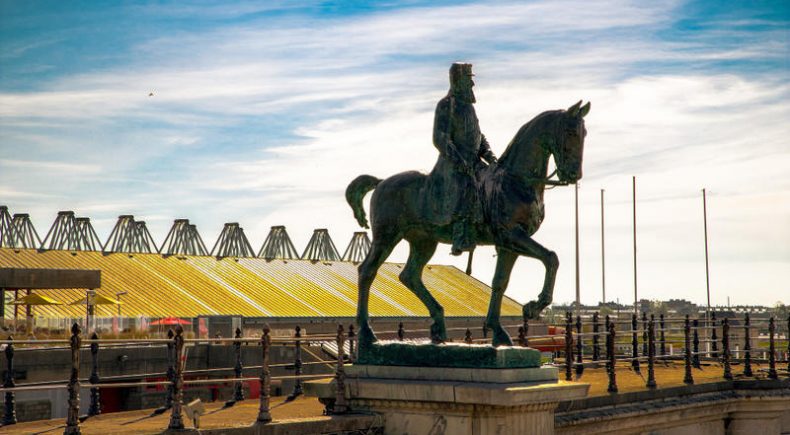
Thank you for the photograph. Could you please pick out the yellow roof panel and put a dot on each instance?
(190, 286)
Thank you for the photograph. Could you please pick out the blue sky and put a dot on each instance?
(263, 111)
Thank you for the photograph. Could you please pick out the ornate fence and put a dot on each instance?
(631, 342)
(175, 376)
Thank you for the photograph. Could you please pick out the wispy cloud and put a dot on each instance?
(264, 118)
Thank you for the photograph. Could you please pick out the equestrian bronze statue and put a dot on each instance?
(508, 194)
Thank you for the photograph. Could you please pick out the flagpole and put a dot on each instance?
(633, 198)
(578, 292)
(707, 268)
(603, 255)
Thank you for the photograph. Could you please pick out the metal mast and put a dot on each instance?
(87, 239)
(633, 198)
(183, 239)
(320, 247)
(24, 234)
(143, 241)
(232, 242)
(603, 255)
(130, 236)
(6, 228)
(578, 286)
(61, 233)
(707, 267)
(278, 245)
(358, 248)
(71, 234)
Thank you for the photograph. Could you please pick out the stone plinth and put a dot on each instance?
(395, 353)
(431, 400)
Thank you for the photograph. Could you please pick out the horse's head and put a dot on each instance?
(568, 149)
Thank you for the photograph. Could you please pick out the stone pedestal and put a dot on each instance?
(433, 400)
(757, 416)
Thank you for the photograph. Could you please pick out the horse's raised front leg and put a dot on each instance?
(420, 252)
(379, 251)
(519, 241)
(504, 265)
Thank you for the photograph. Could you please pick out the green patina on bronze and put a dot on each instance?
(470, 198)
(448, 355)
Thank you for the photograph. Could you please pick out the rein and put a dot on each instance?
(546, 181)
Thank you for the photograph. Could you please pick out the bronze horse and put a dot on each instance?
(512, 199)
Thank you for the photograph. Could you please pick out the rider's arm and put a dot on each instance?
(485, 151)
(441, 121)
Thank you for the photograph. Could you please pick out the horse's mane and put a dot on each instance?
(527, 132)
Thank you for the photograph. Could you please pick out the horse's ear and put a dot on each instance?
(574, 110)
(584, 110)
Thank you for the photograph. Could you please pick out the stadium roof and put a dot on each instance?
(189, 286)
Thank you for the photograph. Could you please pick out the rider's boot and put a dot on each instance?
(462, 238)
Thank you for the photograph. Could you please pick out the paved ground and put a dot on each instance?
(670, 375)
(138, 422)
(243, 414)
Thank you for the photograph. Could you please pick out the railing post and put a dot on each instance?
(73, 413)
(526, 333)
(351, 341)
(695, 355)
(521, 336)
(687, 378)
(95, 406)
(238, 387)
(9, 411)
(171, 370)
(341, 405)
(725, 344)
(297, 391)
(176, 419)
(579, 348)
(596, 350)
(634, 344)
(772, 349)
(485, 331)
(468, 336)
(611, 364)
(264, 415)
(401, 332)
(568, 346)
(651, 353)
(663, 339)
(644, 333)
(713, 337)
(747, 347)
(607, 322)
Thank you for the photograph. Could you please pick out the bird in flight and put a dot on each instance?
(151, 94)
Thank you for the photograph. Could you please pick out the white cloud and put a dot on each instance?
(334, 98)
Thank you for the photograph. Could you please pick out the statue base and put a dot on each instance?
(458, 355)
(455, 400)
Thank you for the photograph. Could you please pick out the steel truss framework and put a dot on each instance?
(130, 236)
(183, 239)
(358, 247)
(320, 247)
(278, 245)
(232, 242)
(72, 234)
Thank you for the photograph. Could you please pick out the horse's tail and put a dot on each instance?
(357, 190)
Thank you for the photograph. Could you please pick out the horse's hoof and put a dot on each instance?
(531, 311)
(366, 337)
(501, 338)
(438, 333)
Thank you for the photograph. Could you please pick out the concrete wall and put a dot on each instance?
(724, 408)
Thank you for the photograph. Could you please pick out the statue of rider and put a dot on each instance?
(452, 184)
